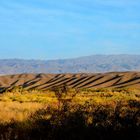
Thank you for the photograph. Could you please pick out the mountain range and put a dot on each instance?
(87, 64)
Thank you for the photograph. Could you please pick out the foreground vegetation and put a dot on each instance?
(68, 114)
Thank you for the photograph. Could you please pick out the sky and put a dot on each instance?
(57, 29)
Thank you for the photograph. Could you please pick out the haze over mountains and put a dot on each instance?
(88, 64)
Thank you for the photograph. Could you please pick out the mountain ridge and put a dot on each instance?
(85, 64)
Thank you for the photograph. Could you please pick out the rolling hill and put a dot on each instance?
(46, 81)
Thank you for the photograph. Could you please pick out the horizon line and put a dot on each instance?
(33, 59)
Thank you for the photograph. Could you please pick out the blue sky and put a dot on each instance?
(54, 29)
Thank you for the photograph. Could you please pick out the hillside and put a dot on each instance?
(46, 81)
(95, 63)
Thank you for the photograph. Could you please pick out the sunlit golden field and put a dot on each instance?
(19, 106)
(64, 113)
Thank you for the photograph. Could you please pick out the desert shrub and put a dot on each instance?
(107, 124)
(113, 117)
(134, 103)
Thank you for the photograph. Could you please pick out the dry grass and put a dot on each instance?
(58, 114)
(19, 106)
(15, 111)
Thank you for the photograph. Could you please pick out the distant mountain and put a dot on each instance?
(88, 64)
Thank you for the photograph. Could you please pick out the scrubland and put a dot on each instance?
(67, 114)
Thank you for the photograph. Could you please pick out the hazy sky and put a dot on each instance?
(52, 29)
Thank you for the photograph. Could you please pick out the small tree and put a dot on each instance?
(64, 96)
